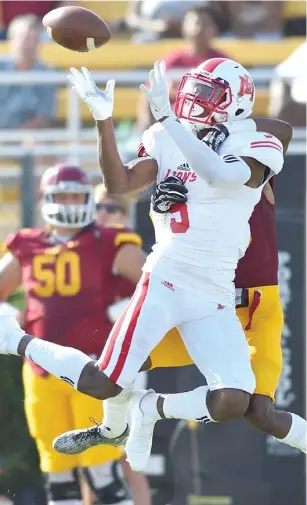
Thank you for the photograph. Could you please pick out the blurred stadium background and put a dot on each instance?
(231, 466)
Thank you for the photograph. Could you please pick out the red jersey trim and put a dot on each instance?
(266, 143)
(142, 151)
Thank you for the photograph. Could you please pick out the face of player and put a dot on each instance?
(109, 213)
(199, 29)
(68, 199)
(24, 46)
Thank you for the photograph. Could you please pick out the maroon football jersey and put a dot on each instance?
(259, 266)
(68, 287)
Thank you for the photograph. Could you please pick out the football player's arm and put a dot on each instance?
(10, 275)
(129, 261)
(121, 179)
(230, 171)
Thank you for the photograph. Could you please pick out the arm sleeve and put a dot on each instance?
(216, 171)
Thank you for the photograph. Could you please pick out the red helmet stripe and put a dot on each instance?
(210, 65)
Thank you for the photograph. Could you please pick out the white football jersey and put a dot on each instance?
(199, 243)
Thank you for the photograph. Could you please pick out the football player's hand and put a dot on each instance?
(216, 135)
(168, 192)
(158, 92)
(99, 102)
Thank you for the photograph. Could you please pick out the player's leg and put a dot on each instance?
(137, 483)
(48, 413)
(68, 364)
(170, 352)
(100, 464)
(133, 337)
(218, 347)
(151, 312)
(264, 339)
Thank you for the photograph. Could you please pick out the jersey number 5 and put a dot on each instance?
(57, 274)
(179, 223)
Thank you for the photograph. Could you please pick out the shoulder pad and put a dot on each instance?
(149, 140)
(260, 146)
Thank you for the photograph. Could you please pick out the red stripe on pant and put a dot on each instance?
(129, 333)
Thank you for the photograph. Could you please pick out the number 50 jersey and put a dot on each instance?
(199, 243)
(68, 287)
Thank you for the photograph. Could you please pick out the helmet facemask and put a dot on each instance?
(200, 99)
(68, 215)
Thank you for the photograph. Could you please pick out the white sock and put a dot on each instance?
(115, 411)
(65, 363)
(191, 405)
(297, 436)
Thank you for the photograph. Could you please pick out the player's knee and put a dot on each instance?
(107, 482)
(62, 486)
(94, 382)
(226, 404)
(260, 413)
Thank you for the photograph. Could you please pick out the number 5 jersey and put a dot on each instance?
(198, 244)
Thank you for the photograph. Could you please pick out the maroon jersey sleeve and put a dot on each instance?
(13, 244)
(119, 236)
(19, 243)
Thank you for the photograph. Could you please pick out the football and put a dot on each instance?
(76, 28)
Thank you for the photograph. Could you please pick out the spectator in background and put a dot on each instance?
(29, 106)
(200, 26)
(152, 20)
(288, 91)
(294, 14)
(110, 211)
(9, 10)
(252, 19)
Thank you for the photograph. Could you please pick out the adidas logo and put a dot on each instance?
(204, 419)
(185, 167)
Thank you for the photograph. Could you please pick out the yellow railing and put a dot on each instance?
(123, 55)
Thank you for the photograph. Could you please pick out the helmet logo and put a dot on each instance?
(247, 87)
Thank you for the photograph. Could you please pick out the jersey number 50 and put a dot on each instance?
(57, 274)
(180, 223)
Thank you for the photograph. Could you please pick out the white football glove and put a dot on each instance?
(158, 93)
(99, 102)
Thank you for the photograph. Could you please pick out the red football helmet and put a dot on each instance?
(66, 178)
(218, 90)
